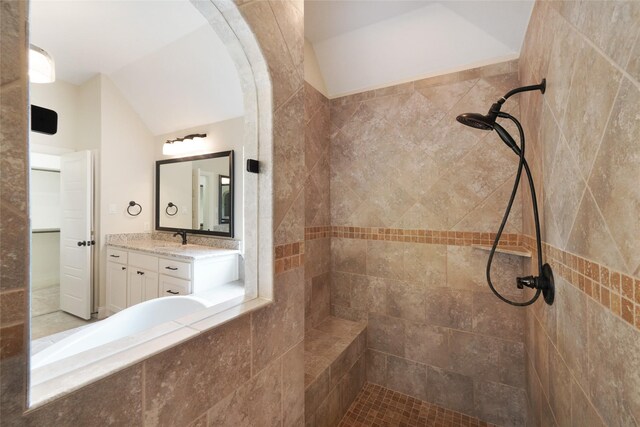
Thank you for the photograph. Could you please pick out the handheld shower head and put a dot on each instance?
(476, 120)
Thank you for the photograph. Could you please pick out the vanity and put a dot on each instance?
(141, 270)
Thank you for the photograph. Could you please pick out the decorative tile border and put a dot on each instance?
(312, 233)
(289, 256)
(457, 238)
(614, 290)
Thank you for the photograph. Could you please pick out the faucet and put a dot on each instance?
(183, 234)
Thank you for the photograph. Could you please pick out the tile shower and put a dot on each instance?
(370, 235)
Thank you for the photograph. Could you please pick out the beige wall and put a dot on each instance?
(317, 207)
(400, 164)
(247, 371)
(584, 351)
(312, 73)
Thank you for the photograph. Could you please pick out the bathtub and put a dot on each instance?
(125, 323)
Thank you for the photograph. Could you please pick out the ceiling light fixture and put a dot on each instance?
(42, 68)
(187, 144)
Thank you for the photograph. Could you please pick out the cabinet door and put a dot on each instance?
(116, 287)
(150, 285)
(143, 285)
(134, 288)
(173, 286)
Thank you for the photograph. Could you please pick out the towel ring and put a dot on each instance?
(132, 204)
(169, 206)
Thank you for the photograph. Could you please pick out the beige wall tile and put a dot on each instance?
(474, 355)
(114, 401)
(590, 236)
(559, 388)
(376, 367)
(259, 401)
(449, 307)
(426, 264)
(614, 373)
(406, 300)
(427, 344)
(500, 404)
(186, 372)
(616, 173)
(384, 259)
(407, 377)
(386, 334)
(572, 330)
(348, 255)
(633, 67)
(466, 270)
(293, 385)
(582, 412)
(450, 390)
(493, 317)
(12, 306)
(285, 75)
(280, 326)
(289, 169)
(589, 105)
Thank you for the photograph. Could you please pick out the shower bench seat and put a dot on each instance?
(334, 371)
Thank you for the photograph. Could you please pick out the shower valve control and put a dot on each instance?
(528, 281)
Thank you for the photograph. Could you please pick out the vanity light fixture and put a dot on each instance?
(187, 144)
(42, 68)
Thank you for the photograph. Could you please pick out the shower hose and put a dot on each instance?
(522, 164)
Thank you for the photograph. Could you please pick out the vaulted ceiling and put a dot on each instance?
(366, 44)
(162, 55)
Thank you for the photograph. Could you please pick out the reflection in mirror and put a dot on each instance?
(196, 194)
(105, 282)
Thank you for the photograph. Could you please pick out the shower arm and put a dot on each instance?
(541, 87)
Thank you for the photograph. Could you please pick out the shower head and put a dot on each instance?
(477, 121)
(488, 121)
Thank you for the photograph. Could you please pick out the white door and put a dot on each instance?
(76, 201)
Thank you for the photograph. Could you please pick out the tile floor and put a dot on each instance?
(45, 300)
(46, 316)
(378, 406)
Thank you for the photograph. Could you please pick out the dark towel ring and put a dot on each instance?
(132, 204)
(171, 205)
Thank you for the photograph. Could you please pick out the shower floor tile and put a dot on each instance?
(378, 406)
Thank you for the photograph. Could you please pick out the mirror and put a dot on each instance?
(196, 194)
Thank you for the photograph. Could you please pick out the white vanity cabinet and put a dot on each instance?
(134, 277)
(116, 285)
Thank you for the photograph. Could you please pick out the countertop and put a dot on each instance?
(172, 249)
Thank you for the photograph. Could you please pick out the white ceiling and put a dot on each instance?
(362, 45)
(162, 55)
(324, 19)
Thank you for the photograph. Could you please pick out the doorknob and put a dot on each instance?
(82, 243)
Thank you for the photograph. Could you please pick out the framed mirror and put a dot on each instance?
(196, 194)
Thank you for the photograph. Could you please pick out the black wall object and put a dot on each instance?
(253, 166)
(44, 120)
